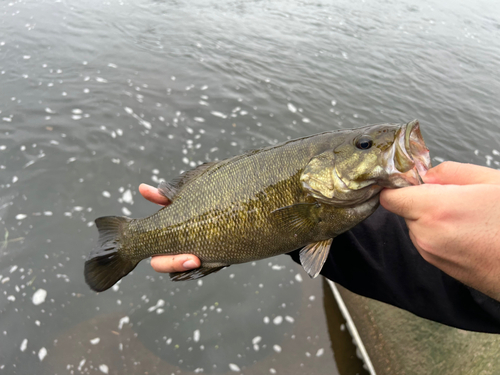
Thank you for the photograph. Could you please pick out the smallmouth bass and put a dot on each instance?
(298, 194)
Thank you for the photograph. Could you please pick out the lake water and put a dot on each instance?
(99, 96)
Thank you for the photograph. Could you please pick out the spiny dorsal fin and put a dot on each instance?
(298, 218)
(171, 189)
(313, 256)
(167, 190)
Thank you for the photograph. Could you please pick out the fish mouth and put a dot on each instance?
(410, 158)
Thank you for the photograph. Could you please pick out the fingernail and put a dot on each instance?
(189, 264)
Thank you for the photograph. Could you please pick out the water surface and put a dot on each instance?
(99, 96)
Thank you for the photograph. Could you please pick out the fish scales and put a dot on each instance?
(217, 208)
(299, 194)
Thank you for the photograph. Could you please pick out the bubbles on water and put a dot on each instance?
(21, 216)
(292, 108)
(95, 341)
(103, 368)
(278, 320)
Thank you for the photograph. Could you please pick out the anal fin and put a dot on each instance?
(313, 256)
(194, 274)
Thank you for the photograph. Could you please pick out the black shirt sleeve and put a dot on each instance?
(377, 259)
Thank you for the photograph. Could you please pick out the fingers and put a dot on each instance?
(151, 194)
(410, 202)
(452, 173)
(174, 263)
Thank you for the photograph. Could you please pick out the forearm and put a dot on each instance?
(377, 259)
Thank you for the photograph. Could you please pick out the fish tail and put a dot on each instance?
(107, 264)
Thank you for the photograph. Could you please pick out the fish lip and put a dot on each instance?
(408, 158)
(410, 146)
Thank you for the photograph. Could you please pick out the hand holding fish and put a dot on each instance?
(167, 263)
(454, 222)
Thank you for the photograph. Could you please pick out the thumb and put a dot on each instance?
(452, 173)
(409, 202)
(398, 201)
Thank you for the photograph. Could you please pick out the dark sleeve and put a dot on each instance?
(377, 259)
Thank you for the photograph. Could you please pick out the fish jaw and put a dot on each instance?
(408, 159)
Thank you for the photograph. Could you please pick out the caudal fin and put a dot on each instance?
(108, 263)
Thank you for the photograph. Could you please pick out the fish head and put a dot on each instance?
(368, 159)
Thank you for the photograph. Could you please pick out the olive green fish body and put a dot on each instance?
(231, 203)
(299, 194)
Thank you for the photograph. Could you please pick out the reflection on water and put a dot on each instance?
(99, 96)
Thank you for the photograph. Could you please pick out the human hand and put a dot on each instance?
(167, 263)
(454, 222)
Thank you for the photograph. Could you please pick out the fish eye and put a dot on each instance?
(364, 143)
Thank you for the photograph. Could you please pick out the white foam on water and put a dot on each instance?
(127, 197)
(277, 348)
(126, 211)
(320, 352)
(278, 320)
(21, 216)
(256, 340)
(124, 320)
(42, 353)
(234, 367)
(39, 296)
(101, 80)
(289, 319)
(196, 335)
(104, 368)
(80, 365)
(106, 194)
(218, 114)
(298, 277)
(24, 345)
(291, 108)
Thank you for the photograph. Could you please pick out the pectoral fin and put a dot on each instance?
(299, 218)
(313, 256)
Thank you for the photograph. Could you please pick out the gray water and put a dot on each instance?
(97, 97)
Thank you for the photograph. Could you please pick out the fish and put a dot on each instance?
(299, 194)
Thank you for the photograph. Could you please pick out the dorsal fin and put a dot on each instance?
(171, 189)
